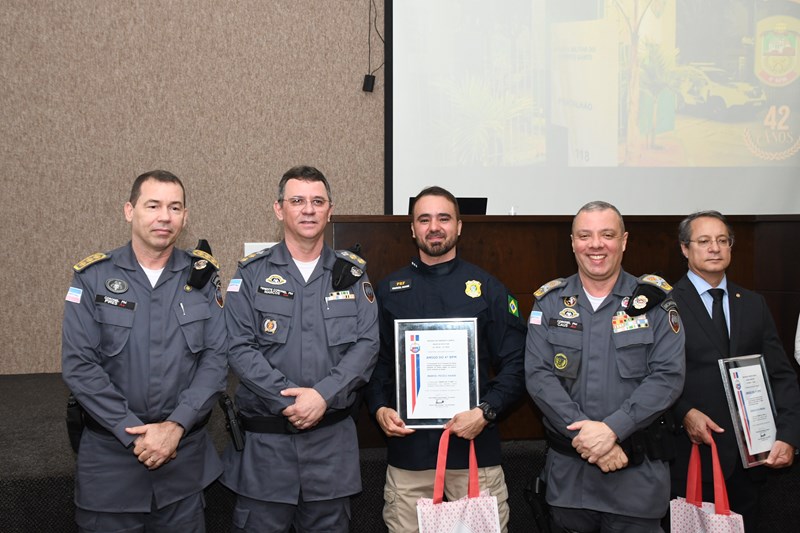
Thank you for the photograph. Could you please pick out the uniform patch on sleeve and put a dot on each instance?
(218, 291)
(234, 285)
(74, 295)
(536, 318)
(674, 320)
(369, 293)
(513, 306)
(669, 305)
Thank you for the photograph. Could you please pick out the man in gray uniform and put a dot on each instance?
(144, 354)
(303, 339)
(603, 362)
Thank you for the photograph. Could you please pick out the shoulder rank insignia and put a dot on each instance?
(204, 256)
(92, 259)
(547, 287)
(255, 255)
(650, 291)
(658, 281)
(203, 266)
(351, 257)
(347, 269)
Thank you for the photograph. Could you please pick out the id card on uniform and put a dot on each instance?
(437, 369)
(751, 405)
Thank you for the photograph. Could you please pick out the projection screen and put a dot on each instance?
(658, 106)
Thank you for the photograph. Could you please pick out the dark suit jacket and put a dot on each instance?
(752, 331)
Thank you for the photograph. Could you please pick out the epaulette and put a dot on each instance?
(651, 290)
(547, 287)
(90, 260)
(255, 255)
(200, 254)
(347, 269)
(204, 266)
(658, 281)
(347, 255)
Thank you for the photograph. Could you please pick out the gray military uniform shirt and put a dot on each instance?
(134, 354)
(287, 332)
(605, 366)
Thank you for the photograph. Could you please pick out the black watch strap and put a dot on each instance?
(489, 414)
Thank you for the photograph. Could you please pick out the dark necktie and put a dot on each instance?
(718, 317)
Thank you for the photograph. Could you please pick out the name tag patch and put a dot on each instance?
(116, 302)
(400, 285)
(566, 324)
(272, 291)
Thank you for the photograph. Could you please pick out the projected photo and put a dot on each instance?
(666, 83)
(524, 101)
(624, 82)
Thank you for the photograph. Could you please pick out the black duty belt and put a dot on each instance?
(654, 442)
(94, 425)
(280, 424)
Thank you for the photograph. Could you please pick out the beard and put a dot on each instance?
(436, 249)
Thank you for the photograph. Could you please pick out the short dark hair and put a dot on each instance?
(303, 173)
(158, 175)
(437, 191)
(598, 205)
(685, 227)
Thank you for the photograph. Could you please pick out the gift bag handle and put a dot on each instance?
(473, 490)
(694, 482)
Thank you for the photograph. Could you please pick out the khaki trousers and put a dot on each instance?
(404, 487)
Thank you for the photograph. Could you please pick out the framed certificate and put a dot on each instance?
(437, 369)
(752, 407)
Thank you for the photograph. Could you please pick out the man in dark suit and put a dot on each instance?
(743, 327)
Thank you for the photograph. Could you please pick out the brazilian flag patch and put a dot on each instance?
(513, 306)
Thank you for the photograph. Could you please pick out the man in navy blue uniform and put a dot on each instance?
(144, 354)
(439, 284)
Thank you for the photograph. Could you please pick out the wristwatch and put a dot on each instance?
(489, 414)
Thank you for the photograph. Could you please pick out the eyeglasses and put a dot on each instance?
(722, 242)
(298, 202)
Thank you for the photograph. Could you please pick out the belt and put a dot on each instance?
(653, 442)
(280, 425)
(563, 445)
(94, 425)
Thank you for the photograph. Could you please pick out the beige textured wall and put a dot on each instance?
(227, 95)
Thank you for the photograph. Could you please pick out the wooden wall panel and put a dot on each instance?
(524, 252)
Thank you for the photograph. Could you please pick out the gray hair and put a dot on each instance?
(599, 205)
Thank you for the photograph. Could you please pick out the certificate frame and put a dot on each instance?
(436, 368)
(751, 405)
